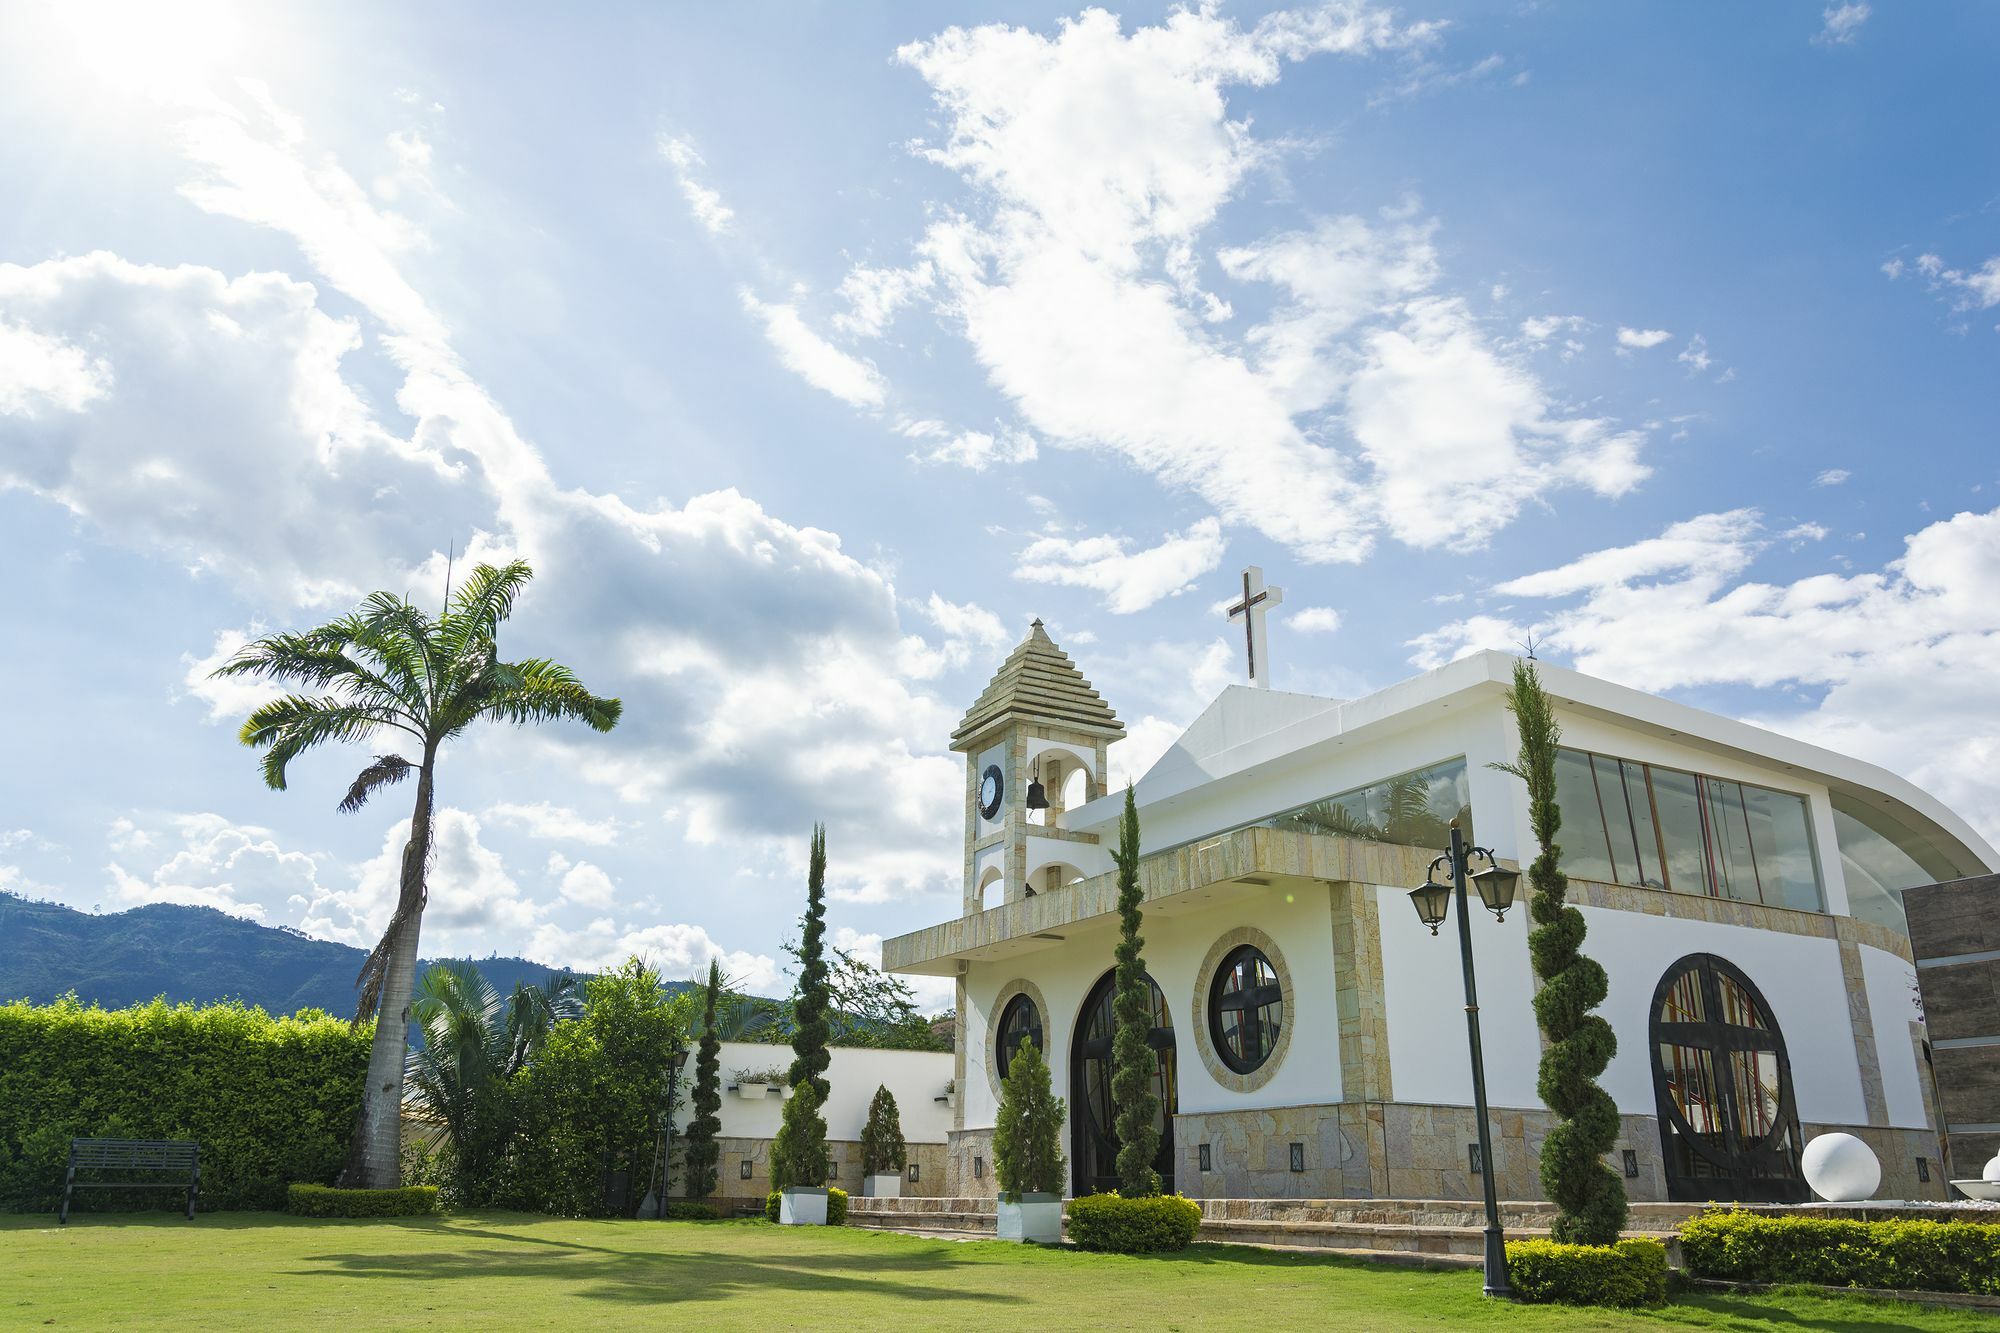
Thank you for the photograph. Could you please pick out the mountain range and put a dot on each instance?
(187, 953)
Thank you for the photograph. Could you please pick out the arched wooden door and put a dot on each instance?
(1093, 1127)
(1729, 1125)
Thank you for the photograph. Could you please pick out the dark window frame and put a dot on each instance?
(1251, 1002)
(1005, 1044)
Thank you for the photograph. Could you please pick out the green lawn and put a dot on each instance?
(271, 1272)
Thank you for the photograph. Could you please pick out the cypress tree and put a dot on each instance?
(882, 1148)
(1576, 1178)
(1133, 1063)
(810, 1031)
(1027, 1132)
(702, 1149)
(798, 1153)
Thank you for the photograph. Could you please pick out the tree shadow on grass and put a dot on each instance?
(1858, 1314)
(678, 1276)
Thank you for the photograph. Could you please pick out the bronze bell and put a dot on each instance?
(1038, 796)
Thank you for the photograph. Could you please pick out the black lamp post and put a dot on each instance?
(1431, 898)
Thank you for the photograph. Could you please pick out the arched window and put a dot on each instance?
(1246, 1009)
(1093, 1130)
(1019, 1020)
(1729, 1127)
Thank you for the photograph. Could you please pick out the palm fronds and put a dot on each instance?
(385, 771)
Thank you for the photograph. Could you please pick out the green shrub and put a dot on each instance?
(1631, 1272)
(692, 1212)
(321, 1201)
(1835, 1252)
(1027, 1131)
(270, 1100)
(1133, 1226)
(882, 1147)
(836, 1205)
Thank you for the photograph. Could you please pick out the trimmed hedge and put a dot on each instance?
(323, 1201)
(1832, 1252)
(692, 1212)
(1133, 1226)
(836, 1204)
(1631, 1272)
(270, 1100)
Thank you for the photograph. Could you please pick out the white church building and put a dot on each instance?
(1742, 890)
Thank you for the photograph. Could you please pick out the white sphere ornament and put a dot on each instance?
(1840, 1168)
(1992, 1171)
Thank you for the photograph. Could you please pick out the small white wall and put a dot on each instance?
(1799, 976)
(1423, 985)
(1891, 984)
(914, 1078)
(1298, 920)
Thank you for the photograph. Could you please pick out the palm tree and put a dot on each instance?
(474, 1041)
(389, 667)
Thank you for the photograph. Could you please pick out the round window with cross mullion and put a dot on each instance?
(1019, 1021)
(1246, 1009)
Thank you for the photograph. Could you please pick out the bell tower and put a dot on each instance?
(1034, 744)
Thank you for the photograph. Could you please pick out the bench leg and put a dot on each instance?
(194, 1188)
(69, 1181)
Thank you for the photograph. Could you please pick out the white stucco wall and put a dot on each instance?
(1892, 988)
(1424, 1001)
(1299, 922)
(1799, 976)
(914, 1078)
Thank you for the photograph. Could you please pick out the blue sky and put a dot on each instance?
(810, 351)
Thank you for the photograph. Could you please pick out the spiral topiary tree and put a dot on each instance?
(1580, 1043)
(882, 1148)
(1027, 1131)
(702, 1149)
(812, 1031)
(1133, 1063)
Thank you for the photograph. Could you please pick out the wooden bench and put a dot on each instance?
(128, 1155)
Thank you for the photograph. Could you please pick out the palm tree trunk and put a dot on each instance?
(375, 1155)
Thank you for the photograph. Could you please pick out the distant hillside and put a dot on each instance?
(186, 953)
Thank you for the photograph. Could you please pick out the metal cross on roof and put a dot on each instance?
(1257, 599)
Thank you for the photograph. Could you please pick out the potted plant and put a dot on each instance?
(1027, 1151)
(950, 1094)
(798, 1161)
(883, 1152)
(753, 1084)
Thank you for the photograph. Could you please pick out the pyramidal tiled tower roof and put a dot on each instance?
(1038, 683)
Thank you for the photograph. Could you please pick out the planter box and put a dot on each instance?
(949, 1099)
(1032, 1217)
(888, 1185)
(752, 1092)
(802, 1206)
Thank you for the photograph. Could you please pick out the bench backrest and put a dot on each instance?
(135, 1154)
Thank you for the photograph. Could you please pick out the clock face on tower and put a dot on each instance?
(991, 788)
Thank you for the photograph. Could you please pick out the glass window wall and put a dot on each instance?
(1413, 809)
(1661, 828)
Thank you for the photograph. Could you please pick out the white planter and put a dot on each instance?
(802, 1206)
(949, 1099)
(752, 1092)
(888, 1185)
(1032, 1217)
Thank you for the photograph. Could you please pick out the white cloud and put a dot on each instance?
(1541, 328)
(1695, 355)
(540, 819)
(1833, 476)
(1841, 24)
(705, 203)
(1096, 162)
(587, 885)
(40, 372)
(233, 698)
(1892, 665)
(1314, 620)
(967, 628)
(1129, 580)
(234, 868)
(1641, 339)
(815, 360)
(978, 450)
(680, 952)
(930, 994)
(874, 295)
(1963, 289)
(473, 900)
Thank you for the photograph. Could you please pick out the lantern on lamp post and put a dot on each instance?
(1432, 900)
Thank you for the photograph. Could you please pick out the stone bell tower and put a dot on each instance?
(1034, 744)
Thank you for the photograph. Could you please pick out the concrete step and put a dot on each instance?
(1443, 1229)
